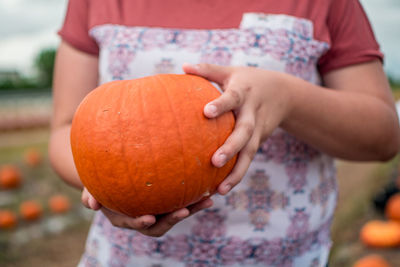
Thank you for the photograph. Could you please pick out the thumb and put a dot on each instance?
(211, 72)
(91, 202)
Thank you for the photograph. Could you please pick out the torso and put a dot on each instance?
(280, 214)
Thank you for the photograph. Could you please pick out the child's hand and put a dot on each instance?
(147, 224)
(260, 102)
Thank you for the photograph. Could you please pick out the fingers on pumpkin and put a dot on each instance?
(204, 204)
(243, 132)
(89, 201)
(85, 198)
(231, 99)
(213, 73)
(93, 203)
(123, 221)
(165, 223)
(243, 162)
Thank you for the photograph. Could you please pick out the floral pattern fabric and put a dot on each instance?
(281, 212)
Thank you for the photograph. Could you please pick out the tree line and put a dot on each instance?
(43, 78)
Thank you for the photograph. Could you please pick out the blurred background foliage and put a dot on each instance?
(42, 80)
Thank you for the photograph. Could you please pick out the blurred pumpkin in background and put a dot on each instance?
(59, 204)
(10, 177)
(33, 157)
(30, 210)
(372, 260)
(381, 234)
(8, 219)
(392, 210)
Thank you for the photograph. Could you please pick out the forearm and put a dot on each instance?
(342, 123)
(61, 156)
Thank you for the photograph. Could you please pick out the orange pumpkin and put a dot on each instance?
(59, 204)
(377, 233)
(10, 177)
(8, 219)
(392, 209)
(33, 157)
(144, 146)
(30, 210)
(372, 260)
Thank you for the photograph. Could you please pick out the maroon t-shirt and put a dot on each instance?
(342, 24)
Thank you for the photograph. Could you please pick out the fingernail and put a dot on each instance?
(211, 109)
(185, 214)
(221, 159)
(226, 188)
(181, 215)
(196, 66)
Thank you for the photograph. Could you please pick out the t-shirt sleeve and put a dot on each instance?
(351, 35)
(75, 29)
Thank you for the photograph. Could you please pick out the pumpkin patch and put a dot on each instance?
(10, 177)
(372, 260)
(59, 204)
(144, 146)
(32, 157)
(30, 210)
(8, 219)
(381, 234)
(392, 209)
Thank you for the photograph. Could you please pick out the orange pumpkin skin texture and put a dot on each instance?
(8, 219)
(392, 209)
(372, 260)
(381, 234)
(144, 146)
(30, 210)
(59, 204)
(10, 177)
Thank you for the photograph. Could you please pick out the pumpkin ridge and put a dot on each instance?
(122, 141)
(151, 148)
(202, 170)
(180, 136)
(110, 199)
(96, 169)
(217, 170)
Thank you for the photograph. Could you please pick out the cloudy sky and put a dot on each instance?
(26, 26)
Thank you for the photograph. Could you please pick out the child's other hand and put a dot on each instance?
(149, 225)
(260, 102)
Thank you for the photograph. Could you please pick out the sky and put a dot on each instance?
(27, 26)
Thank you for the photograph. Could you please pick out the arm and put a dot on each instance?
(76, 74)
(353, 117)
